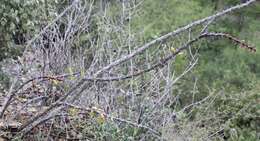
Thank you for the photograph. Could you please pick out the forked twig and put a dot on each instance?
(139, 50)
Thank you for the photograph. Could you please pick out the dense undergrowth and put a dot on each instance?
(219, 99)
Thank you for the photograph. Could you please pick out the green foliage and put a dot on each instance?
(230, 68)
(222, 65)
(158, 17)
(15, 15)
(4, 79)
(17, 19)
(241, 113)
(108, 130)
(235, 115)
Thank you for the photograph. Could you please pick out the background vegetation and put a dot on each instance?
(218, 99)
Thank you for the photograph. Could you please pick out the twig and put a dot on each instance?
(49, 25)
(7, 99)
(171, 34)
(233, 39)
(136, 52)
(39, 122)
(101, 112)
(51, 107)
(11, 93)
(136, 74)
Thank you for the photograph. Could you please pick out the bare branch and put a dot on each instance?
(171, 34)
